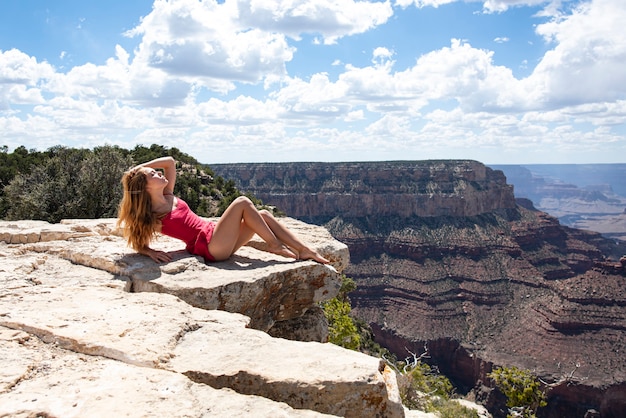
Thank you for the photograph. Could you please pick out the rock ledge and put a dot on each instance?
(88, 328)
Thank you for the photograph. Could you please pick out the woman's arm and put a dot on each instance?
(168, 164)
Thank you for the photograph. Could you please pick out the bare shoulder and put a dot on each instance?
(167, 206)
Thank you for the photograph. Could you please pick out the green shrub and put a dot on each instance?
(522, 389)
(449, 408)
(426, 380)
(342, 328)
(63, 183)
(423, 387)
(70, 183)
(419, 384)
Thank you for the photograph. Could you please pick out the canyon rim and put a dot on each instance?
(445, 257)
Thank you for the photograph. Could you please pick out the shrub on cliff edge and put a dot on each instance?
(341, 326)
(421, 386)
(522, 390)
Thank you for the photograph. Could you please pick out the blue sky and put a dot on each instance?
(498, 81)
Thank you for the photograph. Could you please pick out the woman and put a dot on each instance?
(149, 206)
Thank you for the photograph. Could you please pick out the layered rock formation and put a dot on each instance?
(444, 257)
(421, 188)
(585, 196)
(88, 328)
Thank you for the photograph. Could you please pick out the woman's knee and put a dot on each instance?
(266, 214)
(242, 201)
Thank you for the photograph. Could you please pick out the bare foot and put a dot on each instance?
(309, 254)
(282, 250)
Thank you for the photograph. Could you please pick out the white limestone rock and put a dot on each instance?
(40, 380)
(76, 342)
(22, 232)
(266, 287)
(309, 375)
(209, 346)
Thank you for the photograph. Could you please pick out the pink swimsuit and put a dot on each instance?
(183, 224)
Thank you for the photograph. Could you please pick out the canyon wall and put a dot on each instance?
(445, 258)
(317, 190)
(583, 196)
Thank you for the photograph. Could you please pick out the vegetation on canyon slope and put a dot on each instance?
(421, 385)
(64, 183)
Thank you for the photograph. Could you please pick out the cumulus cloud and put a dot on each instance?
(423, 3)
(503, 5)
(19, 68)
(216, 44)
(21, 79)
(588, 61)
(332, 19)
(202, 42)
(189, 74)
(489, 6)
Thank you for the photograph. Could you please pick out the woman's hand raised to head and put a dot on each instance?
(168, 165)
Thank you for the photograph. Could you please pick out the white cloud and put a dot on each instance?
(489, 6)
(181, 84)
(319, 98)
(332, 19)
(355, 116)
(19, 68)
(588, 62)
(423, 3)
(21, 78)
(216, 44)
(382, 56)
(203, 42)
(497, 6)
(396, 126)
(468, 75)
(21, 94)
(241, 111)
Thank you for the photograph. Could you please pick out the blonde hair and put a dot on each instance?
(135, 214)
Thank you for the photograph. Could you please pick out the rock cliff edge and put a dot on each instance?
(88, 328)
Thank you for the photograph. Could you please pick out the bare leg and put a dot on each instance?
(289, 239)
(237, 225)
